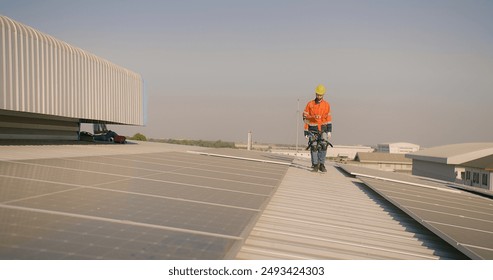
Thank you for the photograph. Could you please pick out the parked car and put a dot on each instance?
(102, 134)
(110, 136)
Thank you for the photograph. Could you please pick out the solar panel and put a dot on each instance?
(430, 182)
(38, 235)
(248, 155)
(462, 219)
(170, 205)
(394, 176)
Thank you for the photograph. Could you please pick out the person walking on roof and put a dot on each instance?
(318, 128)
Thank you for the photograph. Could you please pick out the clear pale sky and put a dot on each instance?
(395, 71)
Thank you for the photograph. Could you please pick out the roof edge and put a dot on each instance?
(427, 158)
(466, 157)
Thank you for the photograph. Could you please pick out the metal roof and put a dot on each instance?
(382, 158)
(414, 180)
(400, 144)
(455, 153)
(483, 163)
(333, 216)
(462, 219)
(154, 200)
(32, 151)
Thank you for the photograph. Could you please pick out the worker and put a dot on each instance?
(318, 128)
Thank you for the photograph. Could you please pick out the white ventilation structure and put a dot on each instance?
(48, 87)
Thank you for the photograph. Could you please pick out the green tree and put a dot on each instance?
(201, 143)
(138, 137)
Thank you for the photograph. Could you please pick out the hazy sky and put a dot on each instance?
(395, 71)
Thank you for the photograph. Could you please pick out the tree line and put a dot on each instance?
(200, 143)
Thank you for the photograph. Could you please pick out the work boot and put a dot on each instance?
(315, 167)
(322, 168)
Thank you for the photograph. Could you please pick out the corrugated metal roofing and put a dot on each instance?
(44, 75)
(462, 219)
(141, 205)
(455, 153)
(332, 216)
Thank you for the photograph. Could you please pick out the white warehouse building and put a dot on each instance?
(467, 163)
(397, 148)
(48, 87)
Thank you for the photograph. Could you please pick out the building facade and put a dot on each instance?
(469, 163)
(384, 161)
(347, 152)
(48, 87)
(477, 177)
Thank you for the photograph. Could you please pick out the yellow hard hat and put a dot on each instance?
(320, 90)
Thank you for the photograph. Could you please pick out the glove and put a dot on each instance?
(306, 133)
(329, 134)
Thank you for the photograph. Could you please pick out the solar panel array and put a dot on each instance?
(462, 219)
(170, 205)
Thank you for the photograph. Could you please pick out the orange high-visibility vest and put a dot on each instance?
(317, 114)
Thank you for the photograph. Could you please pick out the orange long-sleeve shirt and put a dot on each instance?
(317, 114)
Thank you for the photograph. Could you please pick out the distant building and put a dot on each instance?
(397, 148)
(383, 161)
(48, 87)
(469, 163)
(348, 152)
